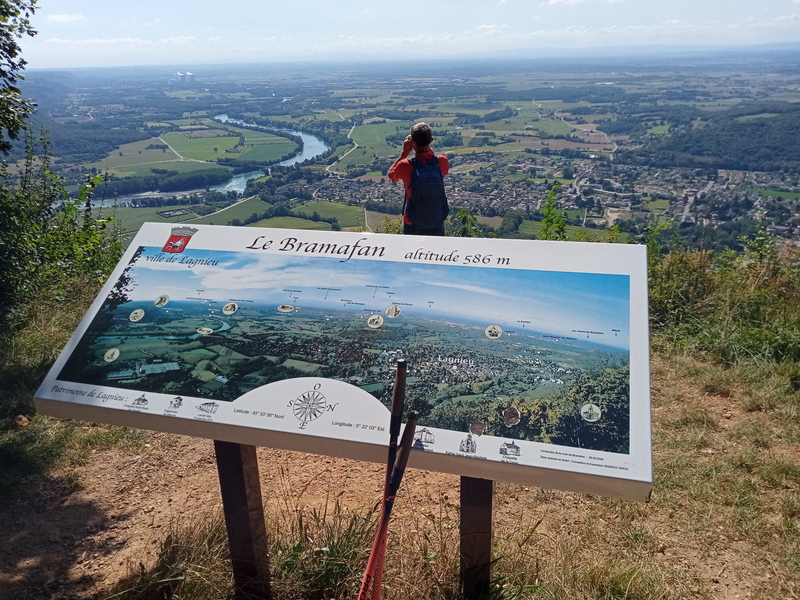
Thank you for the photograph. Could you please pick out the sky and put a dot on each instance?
(109, 33)
(545, 301)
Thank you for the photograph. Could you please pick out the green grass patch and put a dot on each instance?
(531, 229)
(491, 221)
(775, 193)
(658, 129)
(291, 223)
(241, 210)
(187, 94)
(259, 146)
(746, 118)
(135, 153)
(359, 156)
(657, 205)
(131, 219)
(200, 148)
(348, 216)
(267, 150)
(179, 166)
(373, 137)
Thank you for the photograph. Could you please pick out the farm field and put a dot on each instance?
(178, 166)
(532, 228)
(259, 146)
(131, 219)
(135, 154)
(200, 143)
(374, 136)
(376, 220)
(241, 210)
(291, 223)
(348, 216)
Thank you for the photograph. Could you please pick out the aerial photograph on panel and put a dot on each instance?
(533, 355)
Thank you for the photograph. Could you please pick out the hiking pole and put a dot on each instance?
(379, 543)
(398, 400)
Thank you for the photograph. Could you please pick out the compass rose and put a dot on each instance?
(308, 406)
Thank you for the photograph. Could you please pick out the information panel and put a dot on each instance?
(527, 360)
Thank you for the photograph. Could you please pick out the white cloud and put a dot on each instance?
(179, 40)
(471, 289)
(563, 2)
(74, 18)
(100, 42)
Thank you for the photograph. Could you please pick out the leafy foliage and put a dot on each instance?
(732, 307)
(48, 239)
(14, 24)
(465, 224)
(554, 224)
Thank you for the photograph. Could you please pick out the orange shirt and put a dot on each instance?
(403, 170)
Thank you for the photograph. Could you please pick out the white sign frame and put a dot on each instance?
(200, 308)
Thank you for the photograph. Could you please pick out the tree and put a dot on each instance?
(14, 24)
(465, 224)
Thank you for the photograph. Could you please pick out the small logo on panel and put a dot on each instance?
(179, 239)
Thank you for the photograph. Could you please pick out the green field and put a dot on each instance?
(373, 137)
(491, 221)
(359, 156)
(775, 193)
(131, 219)
(376, 221)
(259, 146)
(348, 216)
(532, 228)
(241, 210)
(657, 205)
(136, 153)
(179, 166)
(200, 148)
(292, 223)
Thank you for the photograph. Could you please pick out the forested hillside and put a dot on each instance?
(753, 137)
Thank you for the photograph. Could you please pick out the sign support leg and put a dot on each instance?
(244, 519)
(476, 537)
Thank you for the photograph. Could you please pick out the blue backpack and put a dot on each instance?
(427, 207)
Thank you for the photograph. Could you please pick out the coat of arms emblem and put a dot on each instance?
(179, 239)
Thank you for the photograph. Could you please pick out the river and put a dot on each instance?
(312, 147)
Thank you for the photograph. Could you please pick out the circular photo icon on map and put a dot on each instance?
(286, 308)
(136, 315)
(111, 355)
(393, 311)
(493, 332)
(230, 308)
(511, 416)
(477, 428)
(375, 321)
(205, 330)
(591, 412)
(161, 300)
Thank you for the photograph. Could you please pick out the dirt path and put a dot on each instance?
(76, 546)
